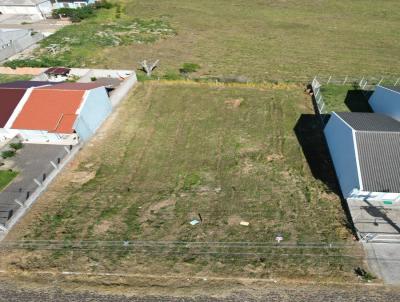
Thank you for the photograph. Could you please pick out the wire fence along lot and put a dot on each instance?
(100, 256)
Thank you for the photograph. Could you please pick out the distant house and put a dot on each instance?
(54, 113)
(72, 3)
(39, 9)
(386, 100)
(365, 150)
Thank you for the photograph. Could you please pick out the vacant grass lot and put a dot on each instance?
(268, 40)
(261, 40)
(176, 151)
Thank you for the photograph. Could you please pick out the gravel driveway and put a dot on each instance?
(299, 294)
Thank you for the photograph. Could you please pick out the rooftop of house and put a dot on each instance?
(24, 84)
(377, 143)
(50, 110)
(57, 71)
(9, 99)
(73, 86)
(362, 121)
(379, 160)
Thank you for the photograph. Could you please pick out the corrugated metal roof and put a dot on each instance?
(9, 99)
(50, 110)
(361, 121)
(25, 84)
(379, 160)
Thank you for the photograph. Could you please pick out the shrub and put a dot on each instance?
(103, 4)
(16, 146)
(42, 62)
(172, 76)
(189, 67)
(76, 15)
(7, 154)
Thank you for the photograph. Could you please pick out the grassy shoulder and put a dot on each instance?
(4, 78)
(178, 152)
(6, 177)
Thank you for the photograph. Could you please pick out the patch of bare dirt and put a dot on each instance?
(274, 157)
(234, 220)
(154, 208)
(234, 103)
(82, 177)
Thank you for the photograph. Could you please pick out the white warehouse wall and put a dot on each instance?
(386, 101)
(341, 144)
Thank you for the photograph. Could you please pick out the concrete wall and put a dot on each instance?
(386, 101)
(122, 90)
(96, 108)
(45, 137)
(339, 137)
(46, 8)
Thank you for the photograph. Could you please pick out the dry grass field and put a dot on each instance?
(284, 40)
(173, 151)
(224, 154)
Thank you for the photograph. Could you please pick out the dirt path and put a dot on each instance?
(11, 292)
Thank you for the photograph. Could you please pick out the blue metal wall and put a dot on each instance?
(339, 137)
(95, 110)
(386, 101)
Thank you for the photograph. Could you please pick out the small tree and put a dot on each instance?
(7, 154)
(16, 146)
(189, 68)
(148, 67)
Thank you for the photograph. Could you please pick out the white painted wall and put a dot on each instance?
(341, 144)
(44, 137)
(386, 101)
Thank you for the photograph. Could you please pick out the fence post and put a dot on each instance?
(345, 80)
(330, 77)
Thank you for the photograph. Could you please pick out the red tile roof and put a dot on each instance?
(50, 110)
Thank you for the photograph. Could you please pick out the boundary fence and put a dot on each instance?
(364, 84)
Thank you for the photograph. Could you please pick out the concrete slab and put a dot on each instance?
(384, 260)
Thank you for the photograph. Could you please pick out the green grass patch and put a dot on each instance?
(5, 78)
(6, 177)
(177, 151)
(343, 98)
